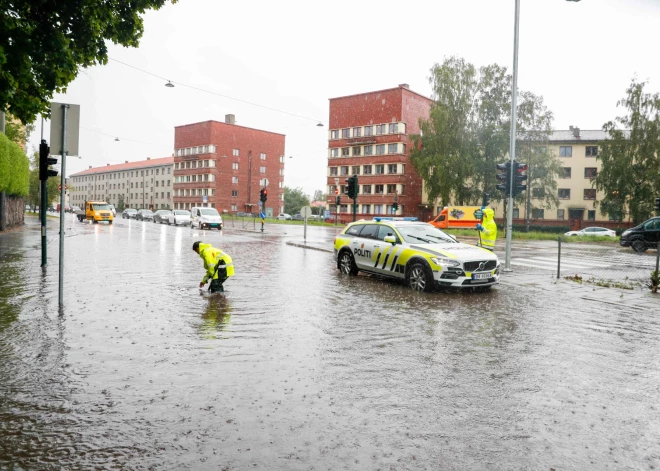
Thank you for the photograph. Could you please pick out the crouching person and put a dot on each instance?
(218, 265)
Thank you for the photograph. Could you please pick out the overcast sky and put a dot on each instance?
(295, 55)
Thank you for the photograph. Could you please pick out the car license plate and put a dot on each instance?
(481, 276)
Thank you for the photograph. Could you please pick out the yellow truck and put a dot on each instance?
(95, 211)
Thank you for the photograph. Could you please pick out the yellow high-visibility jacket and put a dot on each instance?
(489, 232)
(211, 257)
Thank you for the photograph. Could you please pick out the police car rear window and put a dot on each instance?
(369, 231)
(354, 230)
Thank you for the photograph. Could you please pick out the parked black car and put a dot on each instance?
(144, 215)
(129, 213)
(643, 237)
(161, 215)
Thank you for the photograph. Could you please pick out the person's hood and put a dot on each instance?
(489, 214)
(203, 247)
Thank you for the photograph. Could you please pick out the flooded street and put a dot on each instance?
(297, 367)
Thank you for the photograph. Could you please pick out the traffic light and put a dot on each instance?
(338, 200)
(519, 177)
(263, 195)
(352, 187)
(395, 205)
(45, 161)
(485, 201)
(657, 204)
(504, 177)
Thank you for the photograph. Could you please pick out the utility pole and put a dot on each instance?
(3, 205)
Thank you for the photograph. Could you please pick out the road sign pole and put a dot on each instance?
(44, 202)
(65, 108)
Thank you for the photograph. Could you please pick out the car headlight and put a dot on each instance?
(448, 262)
(96, 213)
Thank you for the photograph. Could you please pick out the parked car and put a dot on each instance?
(643, 237)
(129, 213)
(298, 217)
(315, 217)
(204, 217)
(74, 209)
(144, 215)
(284, 217)
(592, 231)
(179, 217)
(161, 216)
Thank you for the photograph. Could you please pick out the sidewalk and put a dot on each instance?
(544, 280)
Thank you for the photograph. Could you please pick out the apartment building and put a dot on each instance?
(368, 137)
(143, 184)
(224, 166)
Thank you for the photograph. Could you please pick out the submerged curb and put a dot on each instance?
(305, 246)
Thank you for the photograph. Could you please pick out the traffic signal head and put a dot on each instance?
(395, 206)
(485, 200)
(504, 177)
(45, 161)
(519, 177)
(338, 200)
(263, 195)
(352, 187)
(657, 204)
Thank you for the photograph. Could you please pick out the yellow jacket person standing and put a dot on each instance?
(488, 230)
(218, 265)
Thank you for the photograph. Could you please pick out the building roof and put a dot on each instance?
(228, 124)
(127, 166)
(582, 135)
(403, 86)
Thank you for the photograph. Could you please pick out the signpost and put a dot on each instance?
(305, 212)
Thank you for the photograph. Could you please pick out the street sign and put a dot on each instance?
(306, 211)
(262, 215)
(59, 187)
(265, 182)
(72, 129)
(205, 199)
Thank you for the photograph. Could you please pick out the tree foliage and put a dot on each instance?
(34, 198)
(14, 168)
(44, 43)
(468, 131)
(294, 200)
(630, 157)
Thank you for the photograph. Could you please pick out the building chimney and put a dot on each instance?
(126, 161)
(148, 158)
(230, 119)
(404, 85)
(570, 128)
(576, 132)
(107, 165)
(90, 166)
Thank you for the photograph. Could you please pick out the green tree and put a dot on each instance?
(121, 205)
(294, 200)
(43, 44)
(630, 171)
(319, 196)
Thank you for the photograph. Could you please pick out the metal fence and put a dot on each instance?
(600, 264)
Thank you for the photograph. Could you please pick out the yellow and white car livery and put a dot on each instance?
(417, 252)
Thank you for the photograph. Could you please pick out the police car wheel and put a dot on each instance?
(419, 278)
(347, 263)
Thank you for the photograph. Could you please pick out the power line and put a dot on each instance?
(215, 93)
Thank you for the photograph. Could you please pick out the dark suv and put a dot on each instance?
(642, 237)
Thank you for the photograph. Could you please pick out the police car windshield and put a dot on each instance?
(425, 234)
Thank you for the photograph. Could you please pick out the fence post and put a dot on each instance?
(558, 256)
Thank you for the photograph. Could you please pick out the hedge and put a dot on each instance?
(14, 168)
(533, 228)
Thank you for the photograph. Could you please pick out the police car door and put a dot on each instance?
(363, 249)
(386, 254)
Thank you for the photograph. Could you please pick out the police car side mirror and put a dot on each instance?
(390, 239)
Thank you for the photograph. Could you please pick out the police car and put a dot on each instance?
(418, 253)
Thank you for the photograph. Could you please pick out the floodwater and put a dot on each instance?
(297, 367)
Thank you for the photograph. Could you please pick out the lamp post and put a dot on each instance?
(512, 148)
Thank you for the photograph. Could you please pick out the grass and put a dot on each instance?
(536, 236)
(249, 219)
(625, 284)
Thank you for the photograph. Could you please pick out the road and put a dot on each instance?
(297, 367)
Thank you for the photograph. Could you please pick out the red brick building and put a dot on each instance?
(223, 165)
(368, 137)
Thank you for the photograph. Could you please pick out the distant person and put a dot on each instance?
(487, 230)
(218, 265)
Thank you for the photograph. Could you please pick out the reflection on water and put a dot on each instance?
(296, 366)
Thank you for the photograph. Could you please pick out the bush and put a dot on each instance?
(14, 168)
(534, 228)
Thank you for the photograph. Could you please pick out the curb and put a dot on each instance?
(305, 246)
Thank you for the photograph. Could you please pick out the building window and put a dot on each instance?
(378, 208)
(333, 171)
(590, 172)
(344, 170)
(234, 152)
(565, 151)
(391, 189)
(380, 169)
(366, 170)
(234, 166)
(262, 169)
(591, 151)
(379, 189)
(392, 168)
(355, 170)
(564, 194)
(380, 149)
(334, 134)
(591, 215)
(381, 129)
(357, 151)
(394, 128)
(357, 132)
(566, 172)
(345, 133)
(366, 189)
(560, 214)
(234, 193)
(345, 151)
(537, 213)
(392, 148)
(589, 193)
(234, 179)
(538, 192)
(334, 152)
(366, 209)
(368, 150)
(368, 130)
(262, 156)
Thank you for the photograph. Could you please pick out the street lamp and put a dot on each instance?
(512, 137)
(169, 84)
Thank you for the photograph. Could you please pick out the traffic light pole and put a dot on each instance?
(42, 205)
(512, 149)
(65, 108)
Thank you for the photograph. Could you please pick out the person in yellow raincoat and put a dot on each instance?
(218, 265)
(488, 230)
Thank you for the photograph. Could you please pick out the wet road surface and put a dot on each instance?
(298, 367)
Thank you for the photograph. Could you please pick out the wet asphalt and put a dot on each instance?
(297, 367)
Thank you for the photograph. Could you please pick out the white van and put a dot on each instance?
(205, 218)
